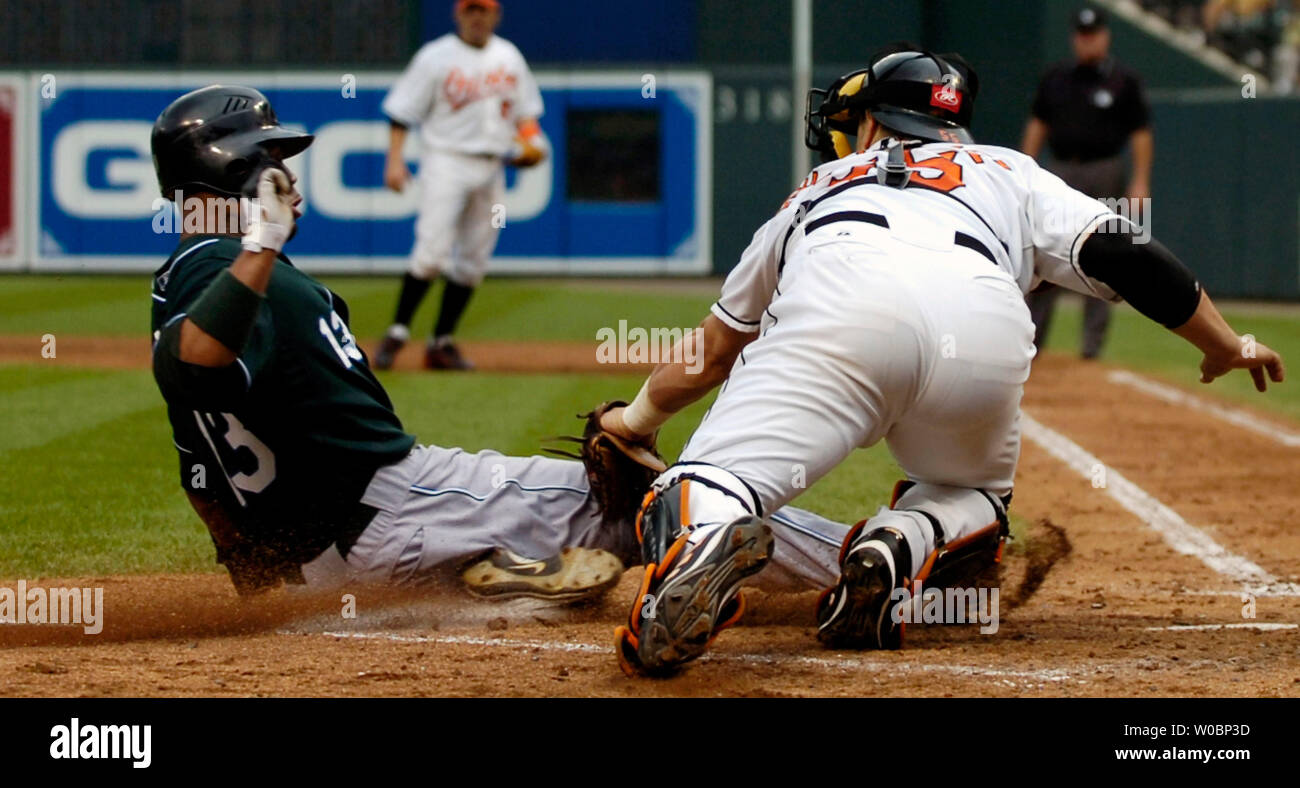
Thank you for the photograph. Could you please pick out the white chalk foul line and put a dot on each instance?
(1179, 534)
(1262, 627)
(1176, 396)
(836, 663)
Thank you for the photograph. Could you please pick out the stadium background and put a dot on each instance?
(1224, 183)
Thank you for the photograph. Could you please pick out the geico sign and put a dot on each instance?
(124, 185)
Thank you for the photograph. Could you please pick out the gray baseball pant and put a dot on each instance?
(439, 507)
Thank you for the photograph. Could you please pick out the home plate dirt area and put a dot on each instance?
(1161, 559)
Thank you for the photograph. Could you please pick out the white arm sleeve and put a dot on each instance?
(751, 285)
(528, 98)
(410, 100)
(1059, 220)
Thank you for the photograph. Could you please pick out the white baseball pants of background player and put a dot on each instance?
(457, 226)
(874, 338)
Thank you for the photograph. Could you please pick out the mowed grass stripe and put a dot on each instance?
(74, 305)
(37, 414)
(514, 413)
(501, 309)
(105, 499)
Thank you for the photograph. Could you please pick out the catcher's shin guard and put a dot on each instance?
(978, 517)
(701, 535)
(684, 497)
(877, 559)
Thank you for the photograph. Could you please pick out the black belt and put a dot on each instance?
(959, 238)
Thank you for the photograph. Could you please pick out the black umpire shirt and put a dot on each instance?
(1090, 110)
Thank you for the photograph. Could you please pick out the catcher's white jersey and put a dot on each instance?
(897, 315)
(993, 201)
(465, 99)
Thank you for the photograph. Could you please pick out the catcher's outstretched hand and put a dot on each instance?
(1263, 362)
(620, 466)
(611, 421)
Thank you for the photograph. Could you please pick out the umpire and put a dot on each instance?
(1087, 109)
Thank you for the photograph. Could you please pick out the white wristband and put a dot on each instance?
(642, 417)
(265, 235)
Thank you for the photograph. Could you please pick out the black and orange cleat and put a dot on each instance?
(855, 612)
(685, 603)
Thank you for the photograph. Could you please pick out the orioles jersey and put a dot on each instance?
(995, 202)
(465, 99)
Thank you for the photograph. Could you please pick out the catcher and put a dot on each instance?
(884, 301)
(289, 448)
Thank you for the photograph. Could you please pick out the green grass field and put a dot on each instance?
(89, 481)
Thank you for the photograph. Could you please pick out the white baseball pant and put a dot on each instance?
(457, 226)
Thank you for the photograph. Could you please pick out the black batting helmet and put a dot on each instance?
(215, 139)
(914, 92)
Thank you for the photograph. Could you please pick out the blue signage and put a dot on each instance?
(98, 206)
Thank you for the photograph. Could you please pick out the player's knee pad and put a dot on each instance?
(970, 528)
(685, 497)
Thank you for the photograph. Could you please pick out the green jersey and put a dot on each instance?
(287, 438)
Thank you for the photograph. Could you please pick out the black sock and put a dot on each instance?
(454, 300)
(413, 290)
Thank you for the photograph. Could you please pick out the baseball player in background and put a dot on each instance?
(289, 448)
(885, 300)
(476, 105)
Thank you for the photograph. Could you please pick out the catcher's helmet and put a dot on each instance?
(215, 139)
(923, 95)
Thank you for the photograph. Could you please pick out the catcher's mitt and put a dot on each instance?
(619, 471)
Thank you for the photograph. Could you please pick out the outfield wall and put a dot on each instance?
(89, 201)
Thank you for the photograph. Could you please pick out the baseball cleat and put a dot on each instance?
(575, 574)
(855, 613)
(445, 355)
(684, 604)
(387, 352)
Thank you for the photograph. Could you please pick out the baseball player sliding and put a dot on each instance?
(476, 106)
(289, 448)
(885, 300)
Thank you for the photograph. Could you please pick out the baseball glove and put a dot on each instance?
(619, 471)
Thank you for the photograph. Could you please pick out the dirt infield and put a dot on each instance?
(1098, 601)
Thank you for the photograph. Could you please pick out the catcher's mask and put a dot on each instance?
(217, 138)
(914, 92)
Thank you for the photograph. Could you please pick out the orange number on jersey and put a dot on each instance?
(949, 176)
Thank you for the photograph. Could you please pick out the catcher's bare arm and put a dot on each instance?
(1225, 351)
(1158, 285)
(704, 358)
